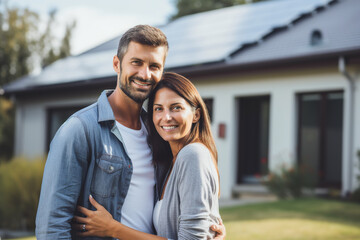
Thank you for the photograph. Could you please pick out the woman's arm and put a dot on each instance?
(100, 223)
(198, 193)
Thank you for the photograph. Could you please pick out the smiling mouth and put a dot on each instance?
(169, 127)
(141, 82)
(145, 84)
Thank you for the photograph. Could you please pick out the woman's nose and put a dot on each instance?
(167, 116)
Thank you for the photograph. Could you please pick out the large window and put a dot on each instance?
(56, 117)
(320, 127)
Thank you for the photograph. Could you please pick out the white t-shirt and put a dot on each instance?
(138, 206)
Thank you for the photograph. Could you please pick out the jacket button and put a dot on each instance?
(111, 168)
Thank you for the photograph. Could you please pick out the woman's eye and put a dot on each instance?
(177, 108)
(157, 109)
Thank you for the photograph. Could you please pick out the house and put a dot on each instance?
(281, 79)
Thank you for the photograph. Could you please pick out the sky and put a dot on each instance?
(99, 20)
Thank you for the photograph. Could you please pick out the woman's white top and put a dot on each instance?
(156, 214)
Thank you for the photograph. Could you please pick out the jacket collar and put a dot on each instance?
(105, 112)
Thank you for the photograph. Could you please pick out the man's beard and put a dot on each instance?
(129, 90)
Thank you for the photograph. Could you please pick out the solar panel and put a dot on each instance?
(195, 39)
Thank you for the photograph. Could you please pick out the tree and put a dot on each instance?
(48, 52)
(187, 7)
(15, 44)
(20, 43)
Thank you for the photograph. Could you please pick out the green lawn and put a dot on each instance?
(306, 219)
(293, 220)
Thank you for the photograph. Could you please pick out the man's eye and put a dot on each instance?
(155, 67)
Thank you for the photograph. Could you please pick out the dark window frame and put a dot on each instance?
(209, 102)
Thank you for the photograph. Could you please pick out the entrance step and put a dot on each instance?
(252, 191)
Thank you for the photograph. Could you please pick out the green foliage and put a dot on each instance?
(21, 42)
(6, 129)
(187, 7)
(47, 51)
(20, 182)
(290, 182)
(15, 42)
(355, 196)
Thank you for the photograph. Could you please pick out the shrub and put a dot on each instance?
(355, 196)
(20, 182)
(290, 182)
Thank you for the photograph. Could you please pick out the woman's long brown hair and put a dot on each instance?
(200, 131)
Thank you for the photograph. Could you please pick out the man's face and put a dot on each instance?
(141, 68)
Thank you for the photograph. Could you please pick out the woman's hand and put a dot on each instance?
(220, 231)
(96, 223)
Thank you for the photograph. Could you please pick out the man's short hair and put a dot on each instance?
(143, 34)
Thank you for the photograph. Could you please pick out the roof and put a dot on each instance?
(242, 34)
(331, 35)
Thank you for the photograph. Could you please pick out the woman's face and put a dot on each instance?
(173, 116)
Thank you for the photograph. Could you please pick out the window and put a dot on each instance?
(316, 38)
(320, 128)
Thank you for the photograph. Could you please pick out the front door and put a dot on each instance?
(253, 135)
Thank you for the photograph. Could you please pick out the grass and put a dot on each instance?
(310, 219)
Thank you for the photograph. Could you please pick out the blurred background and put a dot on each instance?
(280, 79)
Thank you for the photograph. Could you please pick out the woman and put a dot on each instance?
(179, 131)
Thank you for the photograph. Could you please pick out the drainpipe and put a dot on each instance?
(351, 81)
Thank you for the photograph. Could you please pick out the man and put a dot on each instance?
(102, 150)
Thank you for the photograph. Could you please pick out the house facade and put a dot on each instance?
(281, 81)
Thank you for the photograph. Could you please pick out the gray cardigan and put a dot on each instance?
(190, 203)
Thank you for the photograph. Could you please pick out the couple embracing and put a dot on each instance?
(117, 171)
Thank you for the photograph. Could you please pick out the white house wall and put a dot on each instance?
(282, 89)
(31, 125)
(352, 171)
(31, 121)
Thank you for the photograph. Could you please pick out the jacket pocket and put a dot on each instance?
(106, 177)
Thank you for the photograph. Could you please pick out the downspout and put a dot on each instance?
(351, 82)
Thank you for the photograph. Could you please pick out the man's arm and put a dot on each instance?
(64, 175)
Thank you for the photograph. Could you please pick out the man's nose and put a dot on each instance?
(145, 73)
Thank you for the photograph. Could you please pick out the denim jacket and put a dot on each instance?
(87, 156)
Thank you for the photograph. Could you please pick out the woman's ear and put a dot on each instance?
(197, 115)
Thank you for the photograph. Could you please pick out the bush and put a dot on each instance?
(20, 182)
(355, 196)
(290, 182)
